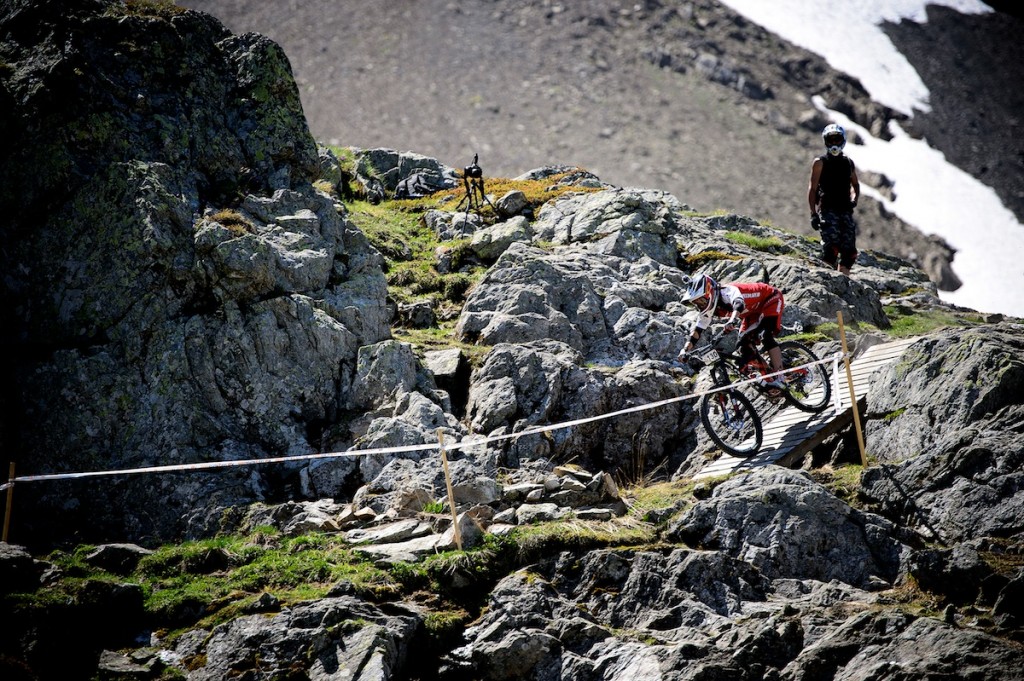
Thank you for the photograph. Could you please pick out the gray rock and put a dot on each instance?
(512, 203)
(942, 422)
(390, 167)
(788, 526)
(533, 513)
(120, 559)
(373, 646)
(391, 533)
(19, 571)
(490, 242)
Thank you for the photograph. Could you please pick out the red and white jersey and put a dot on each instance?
(752, 303)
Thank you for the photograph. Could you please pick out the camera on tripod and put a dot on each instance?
(473, 171)
(473, 180)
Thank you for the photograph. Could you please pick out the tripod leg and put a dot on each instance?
(471, 198)
(479, 195)
(468, 196)
(475, 200)
(483, 195)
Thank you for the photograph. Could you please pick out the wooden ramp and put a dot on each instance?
(791, 433)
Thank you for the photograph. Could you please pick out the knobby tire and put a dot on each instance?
(732, 423)
(809, 390)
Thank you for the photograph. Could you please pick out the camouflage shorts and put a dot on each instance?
(838, 238)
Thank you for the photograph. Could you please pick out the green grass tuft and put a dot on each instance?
(758, 243)
(700, 260)
(915, 322)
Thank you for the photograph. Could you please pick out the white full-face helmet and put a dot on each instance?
(702, 293)
(835, 138)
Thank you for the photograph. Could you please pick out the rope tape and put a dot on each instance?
(464, 444)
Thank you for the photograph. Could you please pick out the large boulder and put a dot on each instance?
(787, 525)
(626, 223)
(320, 639)
(529, 385)
(601, 306)
(175, 290)
(945, 422)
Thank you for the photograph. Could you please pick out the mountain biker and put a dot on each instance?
(832, 195)
(758, 307)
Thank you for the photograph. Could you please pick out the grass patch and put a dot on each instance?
(446, 622)
(843, 482)
(809, 338)
(569, 534)
(208, 582)
(912, 599)
(699, 260)
(830, 330)
(717, 213)
(907, 322)
(409, 249)
(350, 188)
(658, 502)
(893, 415)
(758, 243)
(433, 507)
(441, 337)
(234, 222)
(537, 193)
(220, 577)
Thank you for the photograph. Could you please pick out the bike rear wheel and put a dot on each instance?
(808, 388)
(729, 418)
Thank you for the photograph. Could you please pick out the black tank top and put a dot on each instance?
(834, 182)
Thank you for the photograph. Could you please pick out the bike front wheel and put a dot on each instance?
(729, 418)
(808, 387)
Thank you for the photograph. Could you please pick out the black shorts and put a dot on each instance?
(838, 237)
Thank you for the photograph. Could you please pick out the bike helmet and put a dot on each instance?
(702, 293)
(834, 137)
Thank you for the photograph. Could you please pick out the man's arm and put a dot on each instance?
(812, 189)
(694, 337)
(738, 307)
(702, 323)
(854, 183)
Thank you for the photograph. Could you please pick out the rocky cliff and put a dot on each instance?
(190, 280)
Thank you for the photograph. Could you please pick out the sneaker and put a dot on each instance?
(754, 368)
(774, 384)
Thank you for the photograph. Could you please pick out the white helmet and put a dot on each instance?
(702, 293)
(834, 137)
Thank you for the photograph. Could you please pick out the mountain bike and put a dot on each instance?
(729, 415)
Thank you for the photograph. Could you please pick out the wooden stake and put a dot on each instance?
(451, 494)
(10, 498)
(853, 393)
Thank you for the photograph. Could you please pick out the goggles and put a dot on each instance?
(835, 141)
(700, 303)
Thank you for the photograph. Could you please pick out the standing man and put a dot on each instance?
(832, 195)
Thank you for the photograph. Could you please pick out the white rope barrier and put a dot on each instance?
(464, 444)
